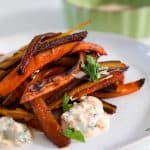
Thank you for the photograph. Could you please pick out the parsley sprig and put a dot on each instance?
(66, 105)
(74, 134)
(91, 67)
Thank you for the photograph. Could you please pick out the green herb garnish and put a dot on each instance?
(91, 68)
(66, 105)
(74, 134)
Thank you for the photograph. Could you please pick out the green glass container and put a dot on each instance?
(131, 19)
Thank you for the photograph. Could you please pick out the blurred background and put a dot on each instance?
(130, 18)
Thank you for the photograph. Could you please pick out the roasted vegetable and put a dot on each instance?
(114, 65)
(13, 96)
(48, 85)
(32, 49)
(109, 108)
(62, 40)
(121, 89)
(3, 73)
(11, 60)
(42, 59)
(88, 88)
(48, 123)
(17, 114)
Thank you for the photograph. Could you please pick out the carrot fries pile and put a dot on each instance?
(36, 77)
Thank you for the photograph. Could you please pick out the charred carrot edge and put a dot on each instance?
(11, 60)
(36, 46)
(92, 47)
(31, 50)
(114, 65)
(48, 85)
(48, 123)
(39, 61)
(34, 123)
(108, 107)
(17, 114)
(60, 92)
(13, 80)
(3, 73)
(88, 88)
(13, 96)
(65, 62)
(122, 89)
(53, 71)
(79, 36)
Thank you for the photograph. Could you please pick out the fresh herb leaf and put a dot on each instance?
(74, 134)
(91, 68)
(66, 105)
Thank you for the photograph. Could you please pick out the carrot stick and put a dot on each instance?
(88, 88)
(48, 123)
(48, 85)
(13, 96)
(121, 89)
(91, 47)
(17, 114)
(91, 87)
(13, 80)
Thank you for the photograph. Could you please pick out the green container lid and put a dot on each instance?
(97, 3)
(133, 22)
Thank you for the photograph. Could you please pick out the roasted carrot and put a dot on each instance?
(121, 89)
(92, 47)
(36, 46)
(13, 96)
(13, 80)
(39, 61)
(88, 88)
(53, 71)
(114, 65)
(79, 36)
(60, 92)
(34, 123)
(48, 123)
(48, 85)
(17, 114)
(108, 107)
(65, 61)
(31, 50)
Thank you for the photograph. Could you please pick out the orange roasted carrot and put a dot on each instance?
(13, 96)
(91, 47)
(53, 71)
(121, 89)
(66, 61)
(91, 87)
(17, 114)
(13, 80)
(45, 86)
(88, 88)
(48, 123)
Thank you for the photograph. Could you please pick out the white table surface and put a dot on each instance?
(23, 16)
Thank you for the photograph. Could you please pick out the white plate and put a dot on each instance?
(132, 118)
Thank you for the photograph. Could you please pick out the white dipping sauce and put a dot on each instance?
(13, 133)
(87, 116)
